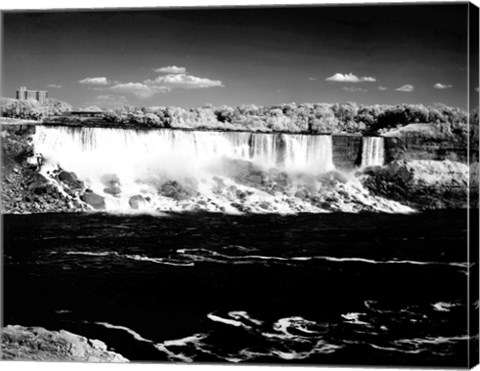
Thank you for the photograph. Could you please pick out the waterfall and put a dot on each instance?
(373, 151)
(310, 154)
(122, 164)
(90, 152)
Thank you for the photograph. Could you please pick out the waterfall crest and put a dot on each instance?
(373, 153)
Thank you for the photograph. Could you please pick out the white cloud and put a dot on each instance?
(184, 81)
(338, 77)
(441, 86)
(56, 86)
(406, 88)
(382, 88)
(171, 69)
(352, 89)
(94, 81)
(141, 90)
(312, 78)
(161, 84)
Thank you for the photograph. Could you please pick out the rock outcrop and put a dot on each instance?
(428, 142)
(25, 189)
(422, 184)
(94, 200)
(38, 344)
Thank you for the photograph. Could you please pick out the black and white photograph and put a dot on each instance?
(290, 185)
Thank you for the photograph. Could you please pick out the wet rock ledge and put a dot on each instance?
(38, 344)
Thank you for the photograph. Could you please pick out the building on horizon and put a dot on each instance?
(39, 95)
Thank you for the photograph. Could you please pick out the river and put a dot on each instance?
(333, 288)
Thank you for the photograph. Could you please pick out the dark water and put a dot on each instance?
(347, 289)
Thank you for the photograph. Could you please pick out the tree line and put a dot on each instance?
(314, 118)
(31, 109)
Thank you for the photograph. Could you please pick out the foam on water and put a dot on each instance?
(225, 321)
(430, 344)
(289, 338)
(89, 253)
(354, 318)
(135, 335)
(189, 257)
(283, 325)
(141, 258)
(182, 342)
(244, 315)
(163, 347)
(297, 338)
(199, 255)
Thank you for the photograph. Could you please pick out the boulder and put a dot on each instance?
(113, 190)
(176, 190)
(136, 202)
(110, 180)
(264, 205)
(202, 203)
(94, 200)
(70, 179)
(238, 206)
(241, 194)
(38, 184)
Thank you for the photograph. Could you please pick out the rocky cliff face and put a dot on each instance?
(422, 184)
(347, 151)
(428, 142)
(38, 344)
(24, 188)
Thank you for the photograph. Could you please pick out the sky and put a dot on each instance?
(232, 56)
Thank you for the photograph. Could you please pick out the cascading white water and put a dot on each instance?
(143, 160)
(129, 153)
(173, 170)
(310, 154)
(373, 153)
(264, 149)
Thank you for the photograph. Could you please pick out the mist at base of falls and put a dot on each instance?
(217, 171)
